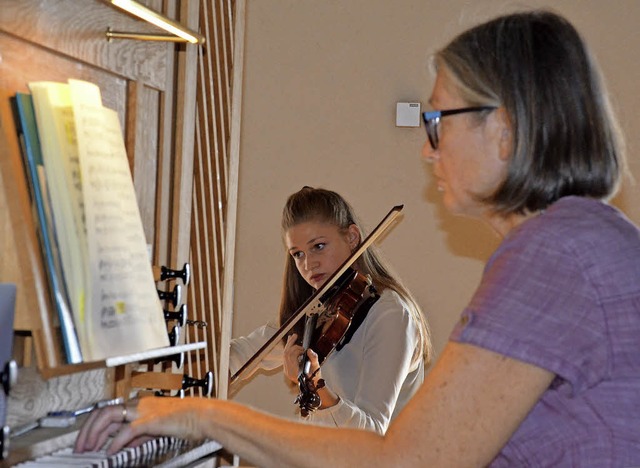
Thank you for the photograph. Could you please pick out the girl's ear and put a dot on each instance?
(353, 236)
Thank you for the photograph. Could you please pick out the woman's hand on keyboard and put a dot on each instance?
(138, 421)
(103, 423)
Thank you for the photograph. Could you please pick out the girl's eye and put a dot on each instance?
(319, 246)
(296, 255)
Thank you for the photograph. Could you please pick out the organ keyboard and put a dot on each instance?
(164, 452)
(53, 447)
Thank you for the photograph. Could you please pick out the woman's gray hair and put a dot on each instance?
(566, 139)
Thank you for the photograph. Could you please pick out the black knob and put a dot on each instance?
(184, 274)
(174, 297)
(205, 383)
(179, 315)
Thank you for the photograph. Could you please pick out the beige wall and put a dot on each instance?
(322, 78)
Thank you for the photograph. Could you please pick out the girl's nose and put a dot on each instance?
(309, 263)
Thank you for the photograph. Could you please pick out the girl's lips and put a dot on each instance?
(317, 278)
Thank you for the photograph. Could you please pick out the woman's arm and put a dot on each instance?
(470, 404)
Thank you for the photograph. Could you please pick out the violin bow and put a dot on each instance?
(314, 305)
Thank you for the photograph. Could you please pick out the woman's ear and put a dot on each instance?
(353, 236)
(505, 133)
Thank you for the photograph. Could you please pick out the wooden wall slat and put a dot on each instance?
(232, 194)
(147, 152)
(182, 182)
(210, 226)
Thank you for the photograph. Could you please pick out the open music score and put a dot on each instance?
(98, 241)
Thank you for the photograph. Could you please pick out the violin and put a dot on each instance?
(325, 331)
(331, 326)
(315, 305)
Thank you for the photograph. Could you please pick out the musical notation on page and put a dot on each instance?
(106, 272)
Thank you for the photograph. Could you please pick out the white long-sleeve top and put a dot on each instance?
(373, 374)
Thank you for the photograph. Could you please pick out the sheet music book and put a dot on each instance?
(32, 155)
(100, 238)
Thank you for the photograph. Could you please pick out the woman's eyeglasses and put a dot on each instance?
(432, 120)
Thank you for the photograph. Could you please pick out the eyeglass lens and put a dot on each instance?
(432, 131)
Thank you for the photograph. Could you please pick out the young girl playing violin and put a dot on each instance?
(370, 378)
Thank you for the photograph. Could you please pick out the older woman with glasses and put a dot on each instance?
(543, 367)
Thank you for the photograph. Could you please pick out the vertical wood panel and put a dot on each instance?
(214, 196)
(234, 160)
(147, 157)
(184, 144)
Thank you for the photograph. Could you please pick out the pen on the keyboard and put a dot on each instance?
(62, 418)
(80, 411)
(100, 404)
(18, 431)
(112, 402)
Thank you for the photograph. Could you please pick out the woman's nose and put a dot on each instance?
(428, 153)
